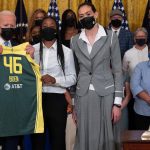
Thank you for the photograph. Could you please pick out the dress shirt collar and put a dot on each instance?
(101, 32)
(53, 47)
(118, 30)
(2, 41)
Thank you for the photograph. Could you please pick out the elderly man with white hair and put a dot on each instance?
(7, 30)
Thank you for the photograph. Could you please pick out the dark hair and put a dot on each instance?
(30, 33)
(60, 53)
(32, 19)
(34, 26)
(31, 22)
(88, 4)
(63, 24)
(65, 13)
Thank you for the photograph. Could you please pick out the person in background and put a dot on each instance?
(98, 96)
(140, 86)
(69, 26)
(58, 73)
(126, 42)
(132, 57)
(125, 36)
(70, 125)
(35, 20)
(34, 35)
(37, 17)
(124, 122)
(7, 30)
(138, 53)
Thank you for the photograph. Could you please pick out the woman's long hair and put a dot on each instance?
(63, 24)
(60, 53)
(32, 20)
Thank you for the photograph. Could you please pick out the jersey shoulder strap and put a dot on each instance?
(19, 49)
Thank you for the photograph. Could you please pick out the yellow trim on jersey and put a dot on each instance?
(20, 50)
(39, 125)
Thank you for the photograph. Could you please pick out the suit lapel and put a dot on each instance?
(83, 47)
(121, 34)
(97, 46)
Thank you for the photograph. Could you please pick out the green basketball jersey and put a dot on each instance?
(20, 93)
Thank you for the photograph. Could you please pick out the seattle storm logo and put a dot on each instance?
(7, 86)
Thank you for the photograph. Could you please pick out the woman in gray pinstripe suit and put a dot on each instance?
(99, 86)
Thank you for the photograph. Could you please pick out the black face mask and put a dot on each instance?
(48, 34)
(70, 22)
(140, 42)
(116, 23)
(36, 39)
(88, 22)
(38, 22)
(7, 33)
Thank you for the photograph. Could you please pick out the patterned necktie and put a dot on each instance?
(6, 43)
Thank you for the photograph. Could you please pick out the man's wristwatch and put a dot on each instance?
(117, 105)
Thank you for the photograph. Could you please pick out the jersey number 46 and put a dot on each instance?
(13, 64)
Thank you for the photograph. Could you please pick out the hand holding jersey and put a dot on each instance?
(1, 49)
(29, 50)
(21, 93)
(14, 120)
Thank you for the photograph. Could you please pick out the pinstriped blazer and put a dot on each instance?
(102, 67)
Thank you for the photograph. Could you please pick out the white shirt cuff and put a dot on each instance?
(118, 100)
(58, 81)
(72, 102)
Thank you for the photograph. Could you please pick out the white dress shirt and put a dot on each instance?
(2, 41)
(53, 68)
(117, 31)
(101, 32)
(132, 57)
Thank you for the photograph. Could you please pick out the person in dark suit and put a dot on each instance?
(7, 30)
(125, 36)
(126, 42)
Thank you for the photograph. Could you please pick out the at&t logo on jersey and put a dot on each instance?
(8, 86)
